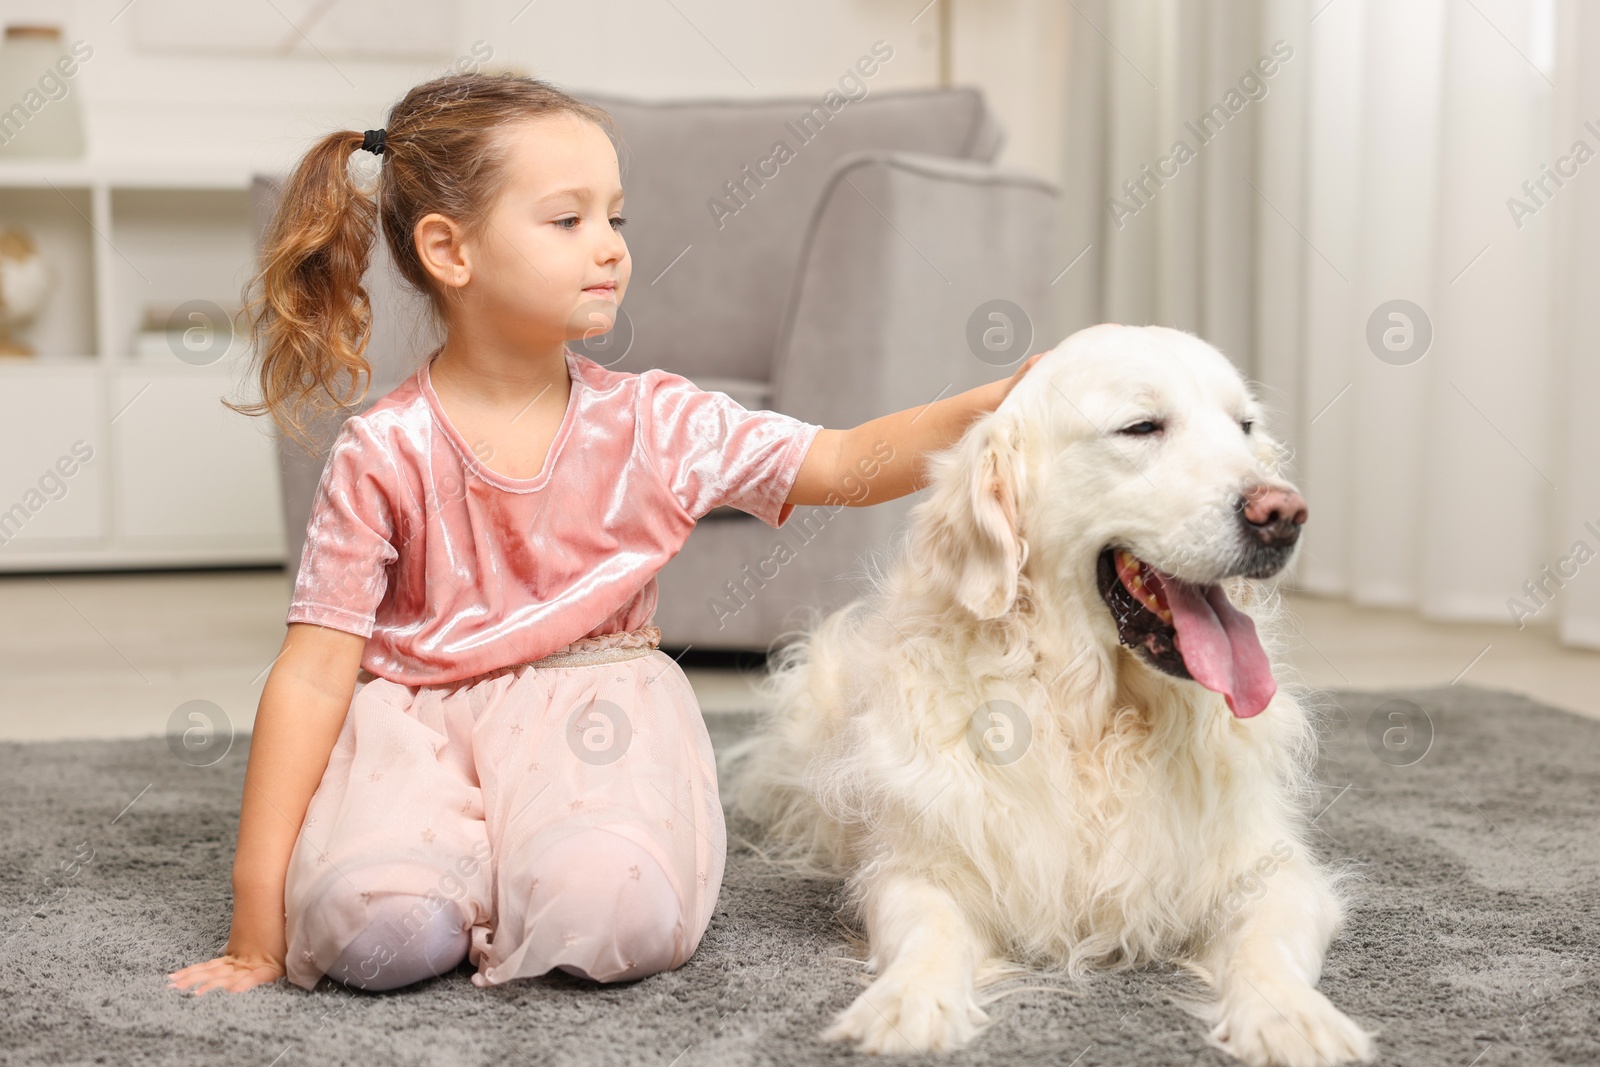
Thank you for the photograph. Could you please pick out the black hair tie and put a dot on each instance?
(372, 141)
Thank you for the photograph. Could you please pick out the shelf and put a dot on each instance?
(36, 365)
(89, 174)
(173, 248)
(171, 475)
(46, 361)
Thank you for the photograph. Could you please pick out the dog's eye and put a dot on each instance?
(1140, 429)
(1246, 425)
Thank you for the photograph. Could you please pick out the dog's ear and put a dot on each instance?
(969, 537)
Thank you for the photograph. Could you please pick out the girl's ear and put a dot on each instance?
(442, 251)
(967, 531)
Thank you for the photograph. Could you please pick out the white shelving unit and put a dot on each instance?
(108, 460)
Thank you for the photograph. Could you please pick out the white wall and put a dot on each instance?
(260, 111)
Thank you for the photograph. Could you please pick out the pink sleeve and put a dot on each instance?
(349, 538)
(713, 451)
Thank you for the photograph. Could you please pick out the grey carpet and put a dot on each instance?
(1474, 942)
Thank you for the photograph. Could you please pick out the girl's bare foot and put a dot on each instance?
(233, 973)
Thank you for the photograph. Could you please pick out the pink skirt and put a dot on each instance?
(453, 792)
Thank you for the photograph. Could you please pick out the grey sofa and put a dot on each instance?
(838, 289)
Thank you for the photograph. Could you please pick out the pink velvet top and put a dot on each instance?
(451, 570)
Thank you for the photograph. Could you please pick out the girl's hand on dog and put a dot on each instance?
(1011, 383)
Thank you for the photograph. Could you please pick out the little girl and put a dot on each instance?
(470, 746)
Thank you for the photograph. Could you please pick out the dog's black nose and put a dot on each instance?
(1273, 514)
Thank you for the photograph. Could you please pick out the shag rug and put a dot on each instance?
(1475, 816)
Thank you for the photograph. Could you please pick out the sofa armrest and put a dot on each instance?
(902, 251)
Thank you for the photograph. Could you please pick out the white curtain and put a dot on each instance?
(1273, 174)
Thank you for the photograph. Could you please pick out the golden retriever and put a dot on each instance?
(1049, 737)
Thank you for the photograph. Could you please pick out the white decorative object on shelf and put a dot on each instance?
(39, 114)
(25, 281)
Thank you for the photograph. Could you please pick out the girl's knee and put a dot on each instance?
(604, 909)
(410, 938)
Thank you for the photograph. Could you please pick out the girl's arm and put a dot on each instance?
(892, 447)
(302, 709)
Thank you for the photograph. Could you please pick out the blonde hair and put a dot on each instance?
(309, 315)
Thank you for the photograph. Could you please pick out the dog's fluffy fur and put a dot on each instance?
(1005, 786)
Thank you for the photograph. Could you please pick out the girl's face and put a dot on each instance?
(549, 261)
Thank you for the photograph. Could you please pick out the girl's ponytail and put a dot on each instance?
(309, 314)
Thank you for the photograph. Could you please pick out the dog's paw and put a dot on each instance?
(1290, 1026)
(900, 1014)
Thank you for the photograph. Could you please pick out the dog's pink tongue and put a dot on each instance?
(1219, 645)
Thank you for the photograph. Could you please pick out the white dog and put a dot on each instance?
(1050, 738)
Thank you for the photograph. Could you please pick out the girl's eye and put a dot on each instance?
(616, 223)
(1141, 429)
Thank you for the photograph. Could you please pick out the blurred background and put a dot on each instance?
(1383, 212)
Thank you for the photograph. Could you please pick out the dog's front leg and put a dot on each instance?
(925, 952)
(1267, 961)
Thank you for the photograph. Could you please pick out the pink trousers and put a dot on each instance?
(556, 814)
